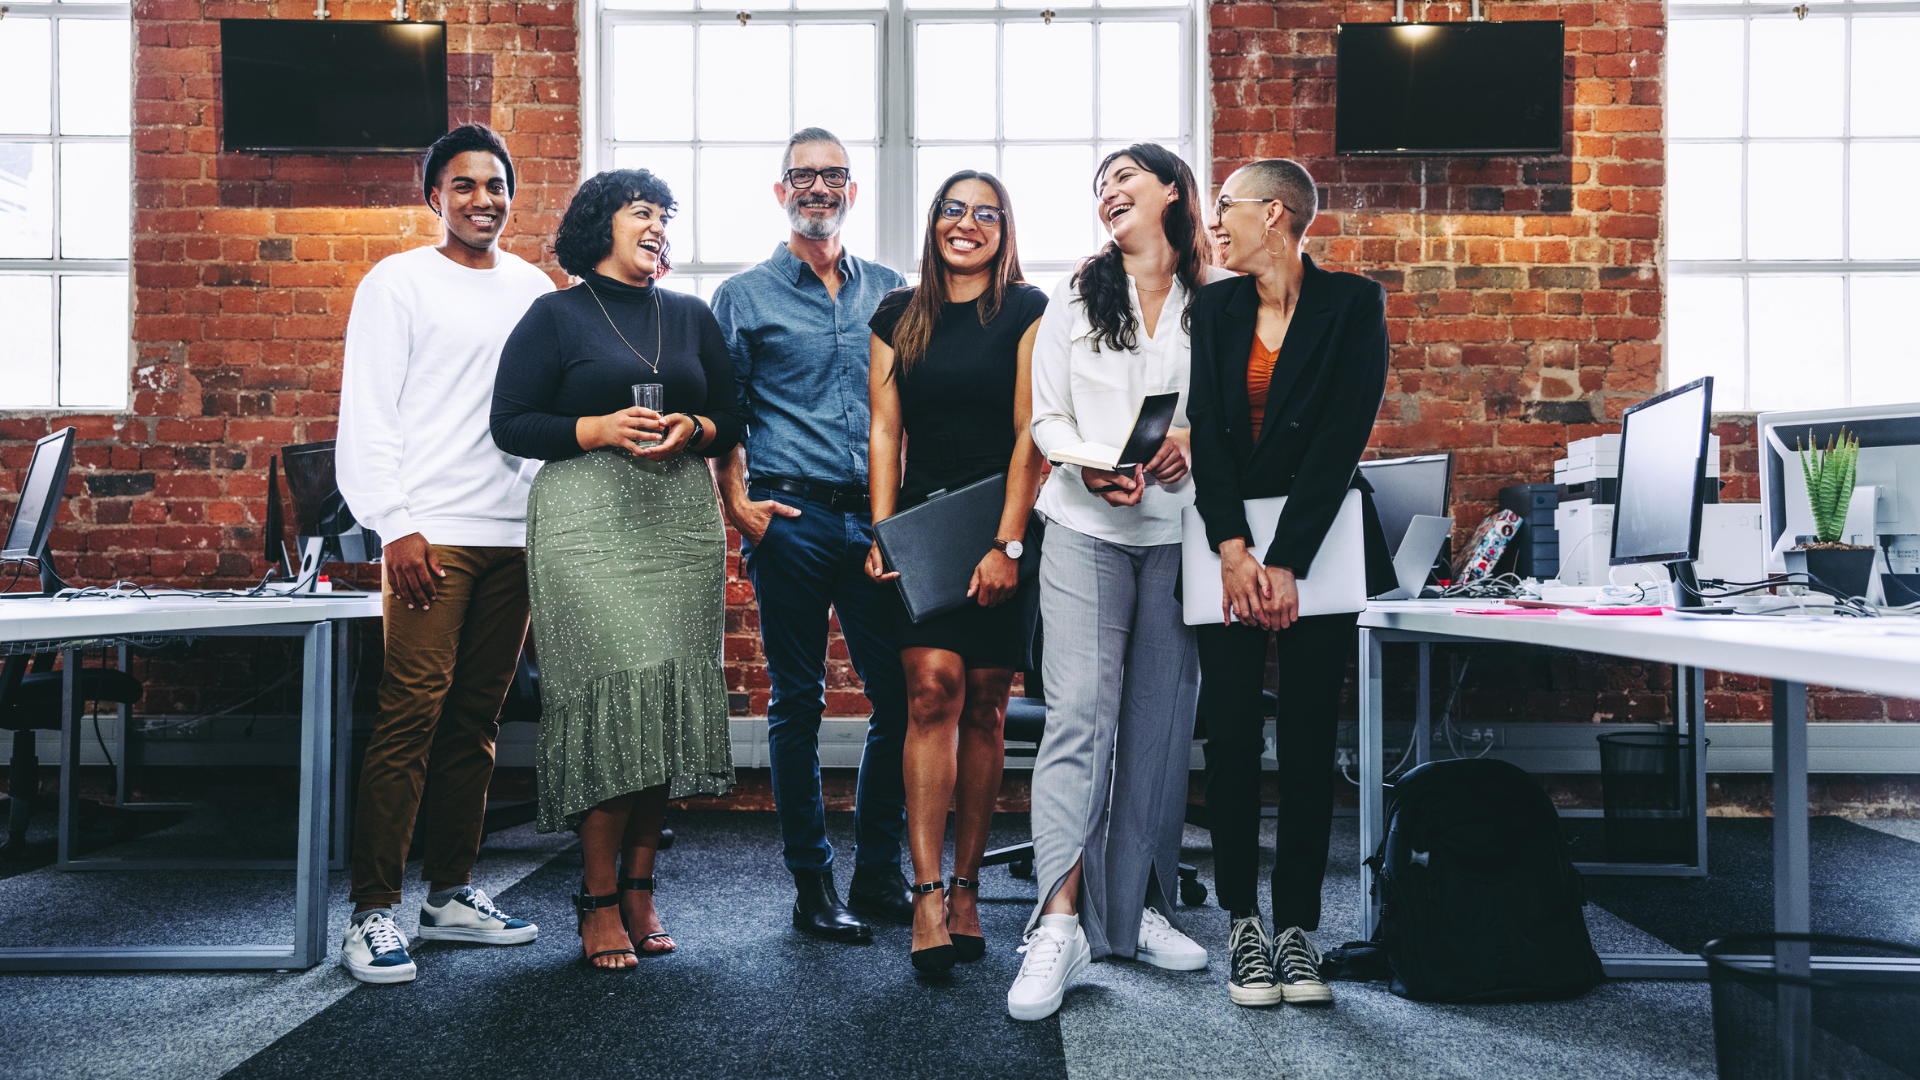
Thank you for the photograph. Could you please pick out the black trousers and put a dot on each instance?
(1313, 656)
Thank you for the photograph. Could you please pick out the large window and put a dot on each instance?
(1793, 246)
(65, 205)
(916, 90)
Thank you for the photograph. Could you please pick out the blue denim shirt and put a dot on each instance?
(801, 358)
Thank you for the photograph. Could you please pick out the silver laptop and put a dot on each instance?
(1418, 548)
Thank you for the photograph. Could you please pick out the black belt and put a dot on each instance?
(851, 499)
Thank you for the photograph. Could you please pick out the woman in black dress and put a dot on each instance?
(952, 364)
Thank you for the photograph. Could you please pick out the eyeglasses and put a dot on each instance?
(1220, 208)
(954, 209)
(802, 179)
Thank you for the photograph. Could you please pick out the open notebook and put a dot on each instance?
(1150, 426)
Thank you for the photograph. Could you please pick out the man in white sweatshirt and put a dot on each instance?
(417, 464)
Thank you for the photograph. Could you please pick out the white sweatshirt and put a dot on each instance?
(415, 454)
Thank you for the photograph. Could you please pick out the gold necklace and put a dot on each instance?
(653, 364)
(1162, 288)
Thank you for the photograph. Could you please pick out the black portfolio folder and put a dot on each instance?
(936, 546)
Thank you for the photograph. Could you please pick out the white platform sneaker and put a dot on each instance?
(1165, 947)
(1057, 952)
(471, 916)
(375, 951)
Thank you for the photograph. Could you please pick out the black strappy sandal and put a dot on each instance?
(643, 884)
(584, 903)
(967, 947)
(939, 958)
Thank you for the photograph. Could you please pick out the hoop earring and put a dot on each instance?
(1263, 247)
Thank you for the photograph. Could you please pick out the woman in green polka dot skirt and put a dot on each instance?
(626, 553)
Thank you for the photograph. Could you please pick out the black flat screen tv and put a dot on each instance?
(1449, 88)
(308, 85)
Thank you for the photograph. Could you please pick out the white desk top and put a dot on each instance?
(1877, 656)
(50, 620)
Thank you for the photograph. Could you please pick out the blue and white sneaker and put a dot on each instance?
(469, 916)
(375, 951)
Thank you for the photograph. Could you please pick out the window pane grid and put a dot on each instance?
(888, 216)
(1805, 157)
(64, 155)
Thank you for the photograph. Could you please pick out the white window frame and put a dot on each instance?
(898, 215)
(1845, 268)
(58, 266)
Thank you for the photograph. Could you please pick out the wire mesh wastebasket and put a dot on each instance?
(1777, 1018)
(1646, 787)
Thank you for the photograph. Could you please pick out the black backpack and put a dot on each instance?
(1479, 898)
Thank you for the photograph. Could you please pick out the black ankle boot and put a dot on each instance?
(818, 910)
(881, 892)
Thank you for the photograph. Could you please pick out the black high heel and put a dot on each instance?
(967, 947)
(939, 958)
(643, 884)
(583, 904)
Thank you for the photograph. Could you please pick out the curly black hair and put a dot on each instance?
(586, 232)
(460, 140)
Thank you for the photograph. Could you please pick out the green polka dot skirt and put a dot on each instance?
(626, 567)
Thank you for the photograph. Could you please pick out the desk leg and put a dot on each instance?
(342, 741)
(1372, 770)
(1423, 707)
(316, 790)
(1792, 904)
(69, 755)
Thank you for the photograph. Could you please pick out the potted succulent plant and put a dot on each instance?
(1829, 472)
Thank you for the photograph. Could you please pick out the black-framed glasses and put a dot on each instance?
(989, 216)
(1220, 207)
(802, 179)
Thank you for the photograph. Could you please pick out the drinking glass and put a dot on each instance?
(650, 396)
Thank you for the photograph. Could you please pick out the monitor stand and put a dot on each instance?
(50, 582)
(1686, 586)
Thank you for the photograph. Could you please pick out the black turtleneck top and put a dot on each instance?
(565, 360)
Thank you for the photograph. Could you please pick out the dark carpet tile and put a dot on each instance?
(745, 995)
(1864, 883)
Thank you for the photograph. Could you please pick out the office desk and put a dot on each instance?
(1879, 656)
(321, 623)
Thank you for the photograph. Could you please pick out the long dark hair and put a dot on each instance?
(1102, 280)
(914, 331)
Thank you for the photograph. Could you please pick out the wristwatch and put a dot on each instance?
(1012, 549)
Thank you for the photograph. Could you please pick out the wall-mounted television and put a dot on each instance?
(1449, 88)
(338, 85)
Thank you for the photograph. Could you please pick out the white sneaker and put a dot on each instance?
(1057, 951)
(471, 916)
(1164, 947)
(375, 951)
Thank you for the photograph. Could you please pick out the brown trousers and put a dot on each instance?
(447, 672)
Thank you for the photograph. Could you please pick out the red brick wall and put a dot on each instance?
(244, 267)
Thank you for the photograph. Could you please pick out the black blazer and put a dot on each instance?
(1328, 382)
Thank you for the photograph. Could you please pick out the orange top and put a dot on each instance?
(1259, 377)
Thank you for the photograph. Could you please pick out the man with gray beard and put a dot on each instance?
(796, 490)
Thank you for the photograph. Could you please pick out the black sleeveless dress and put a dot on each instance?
(956, 407)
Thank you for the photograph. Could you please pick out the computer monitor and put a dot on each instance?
(1663, 452)
(324, 524)
(1888, 466)
(1406, 487)
(33, 517)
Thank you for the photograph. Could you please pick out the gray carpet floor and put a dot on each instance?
(746, 996)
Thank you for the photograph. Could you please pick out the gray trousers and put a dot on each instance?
(1122, 676)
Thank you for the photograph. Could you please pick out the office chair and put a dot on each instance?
(1027, 723)
(30, 701)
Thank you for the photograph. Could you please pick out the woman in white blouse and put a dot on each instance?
(1120, 668)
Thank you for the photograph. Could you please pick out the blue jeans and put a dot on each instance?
(800, 568)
